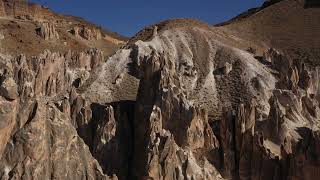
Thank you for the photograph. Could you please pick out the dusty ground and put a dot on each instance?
(285, 25)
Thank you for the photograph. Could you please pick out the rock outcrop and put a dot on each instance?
(2, 9)
(86, 33)
(22, 9)
(186, 101)
(258, 114)
(47, 31)
(48, 147)
(38, 139)
(22, 23)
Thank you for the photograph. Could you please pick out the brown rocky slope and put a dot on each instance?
(182, 100)
(27, 28)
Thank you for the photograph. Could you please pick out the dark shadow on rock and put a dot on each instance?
(115, 156)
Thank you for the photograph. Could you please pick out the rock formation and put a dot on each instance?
(26, 114)
(2, 9)
(181, 100)
(23, 22)
(86, 33)
(22, 9)
(47, 31)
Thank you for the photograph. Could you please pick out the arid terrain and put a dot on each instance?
(182, 99)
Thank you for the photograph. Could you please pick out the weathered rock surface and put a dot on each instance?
(86, 33)
(22, 9)
(258, 113)
(2, 9)
(28, 28)
(47, 31)
(48, 147)
(185, 103)
(38, 139)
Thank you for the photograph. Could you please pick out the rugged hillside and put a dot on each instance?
(181, 100)
(286, 26)
(30, 29)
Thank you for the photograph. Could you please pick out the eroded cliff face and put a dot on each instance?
(196, 109)
(261, 117)
(86, 33)
(184, 103)
(38, 138)
(23, 9)
(47, 31)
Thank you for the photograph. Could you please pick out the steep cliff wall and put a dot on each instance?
(205, 109)
(34, 113)
(182, 100)
(261, 114)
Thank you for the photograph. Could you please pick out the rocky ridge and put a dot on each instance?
(25, 25)
(22, 9)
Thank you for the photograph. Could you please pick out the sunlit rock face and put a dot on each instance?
(47, 31)
(181, 105)
(39, 140)
(181, 100)
(223, 108)
(22, 9)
